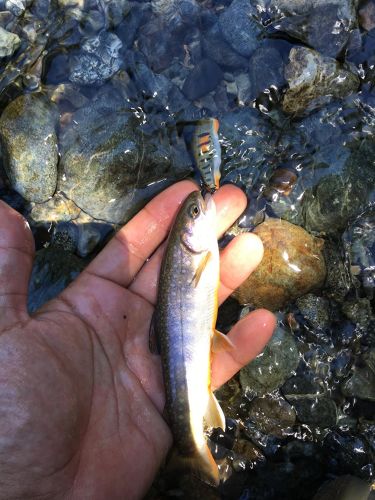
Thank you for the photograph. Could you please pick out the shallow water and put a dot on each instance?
(117, 86)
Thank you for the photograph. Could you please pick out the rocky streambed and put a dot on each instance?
(94, 99)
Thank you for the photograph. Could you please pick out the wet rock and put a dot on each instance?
(239, 27)
(246, 455)
(29, 144)
(58, 208)
(230, 398)
(348, 453)
(9, 43)
(338, 281)
(52, 272)
(6, 19)
(98, 61)
(312, 406)
(359, 311)
(366, 15)
(359, 241)
(266, 69)
(313, 80)
(338, 199)
(269, 370)
(121, 165)
(272, 415)
(326, 27)
(292, 265)
(204, 78)
(16, 7)
(344, 487)
(216, 48)
(65, 236)
(361, 384)
(315, 310)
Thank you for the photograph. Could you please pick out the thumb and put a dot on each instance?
(16, 259)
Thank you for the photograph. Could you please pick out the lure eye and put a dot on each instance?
(194, 211)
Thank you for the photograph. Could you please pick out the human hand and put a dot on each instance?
(81, 396)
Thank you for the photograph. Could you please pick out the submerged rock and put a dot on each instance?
(204, 78)
(121, 166)
(311, 404)
(9, 43)
(292, 265)
(269, 370)
(313, 80)
(273, 415)
(239, 27)
(98, 61)
(359, 241)
(344, 488)
(29, 145)
(324, 26)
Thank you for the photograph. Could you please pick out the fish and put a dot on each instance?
(206, 152)
(184, 326)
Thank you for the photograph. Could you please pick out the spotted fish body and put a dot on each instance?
(185, 320)
(206, 151)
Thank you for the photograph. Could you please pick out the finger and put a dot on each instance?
(230, 203)
(238, 259)
(126, 253)
(249, 337)
(16, 259)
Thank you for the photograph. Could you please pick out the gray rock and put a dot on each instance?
(239, 27)
(338, 281)
(361, 384)
(266, 69)
(204, 78)
(347, 7)
(313, 80)
(98, 61)
(315, 310)
(359, 242)
(312, 405)
(121, 166)
(339, 198)
(216, 48)
(52, 272)
(29, 144)
(269, 370)
(9, 43)
(16, 7)
(272, 415)
(359, 311)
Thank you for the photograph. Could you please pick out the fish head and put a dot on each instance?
(198, 222)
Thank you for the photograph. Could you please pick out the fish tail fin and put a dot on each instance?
(200, 464)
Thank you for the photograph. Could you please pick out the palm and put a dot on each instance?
(82, 396)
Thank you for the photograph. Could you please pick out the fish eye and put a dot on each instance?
(194, 210)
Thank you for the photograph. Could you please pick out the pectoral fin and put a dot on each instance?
(201, 267)
(221, 342)
(214, 416)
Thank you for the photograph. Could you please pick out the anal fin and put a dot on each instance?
(214, 416)
(221, 342)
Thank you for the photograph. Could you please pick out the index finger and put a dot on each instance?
(128, 250)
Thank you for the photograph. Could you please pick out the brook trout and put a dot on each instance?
(185, 329)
